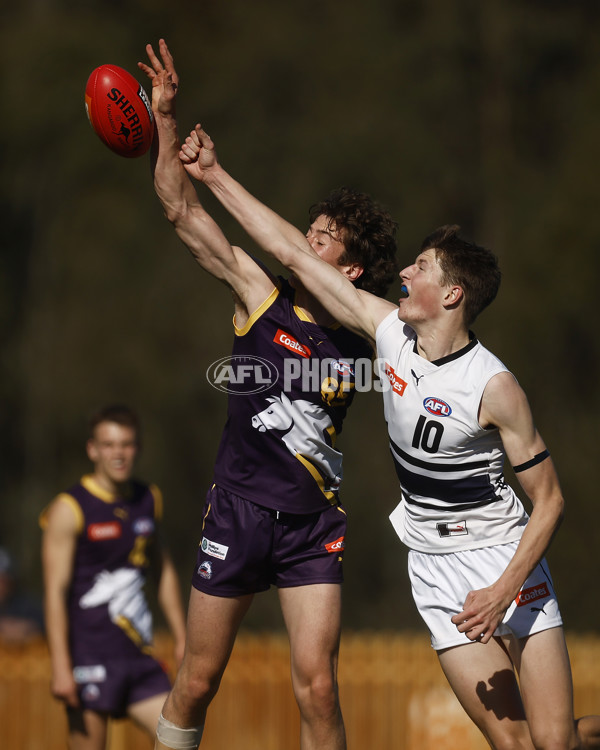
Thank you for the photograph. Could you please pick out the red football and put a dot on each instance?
(119, 110)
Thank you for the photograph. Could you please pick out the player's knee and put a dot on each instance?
(320, 696)
(554, 736)
(171, 736)
(193, 687)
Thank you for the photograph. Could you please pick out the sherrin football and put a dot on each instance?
(119, 110)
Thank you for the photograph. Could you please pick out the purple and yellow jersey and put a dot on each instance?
(108, 612)
(292, 382)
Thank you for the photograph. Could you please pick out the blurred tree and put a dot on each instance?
(482, 114)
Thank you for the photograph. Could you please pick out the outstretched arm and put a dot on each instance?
(196, 228)
(354, 308)
(505, 406)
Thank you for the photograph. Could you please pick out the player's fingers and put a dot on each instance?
(73, 700)
(462, 618)
(189, 152)
(194, 139)
(470, 624)
(167, 57)
(148, 71)
(203, 138)
(154, 61)
(168, 61)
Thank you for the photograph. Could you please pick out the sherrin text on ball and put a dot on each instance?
(119, 110)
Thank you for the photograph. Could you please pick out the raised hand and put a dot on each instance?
(163, 75)
(198, 153)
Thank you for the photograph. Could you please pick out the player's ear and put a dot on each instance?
(453, 296)
(353, 272)
(91, 450)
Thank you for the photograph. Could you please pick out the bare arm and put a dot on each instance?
(355, 309)
(195, 227)
(505, 405)
(58, 550)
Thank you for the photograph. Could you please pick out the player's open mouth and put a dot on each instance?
(403, 292)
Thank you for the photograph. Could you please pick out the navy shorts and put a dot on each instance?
(246, 548)
(112, 686)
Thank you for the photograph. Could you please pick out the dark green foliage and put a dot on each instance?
(482, 114)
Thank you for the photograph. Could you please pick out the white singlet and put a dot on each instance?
(454, 496)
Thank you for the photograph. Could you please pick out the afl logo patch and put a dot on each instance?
(437, 407)
(143, 526)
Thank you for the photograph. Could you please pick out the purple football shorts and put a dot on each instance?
(112, 686)
(245, 547)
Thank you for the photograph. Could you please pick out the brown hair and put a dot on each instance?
(118, 413)
(471, 266)
(368, 233)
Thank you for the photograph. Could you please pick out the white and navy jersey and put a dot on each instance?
(454, 496)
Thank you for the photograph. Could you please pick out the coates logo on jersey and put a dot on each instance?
(285, 339)
(98, 532)
(526, 596)
(437, 407)
(242, 375)
(336, 546)
(398, 385)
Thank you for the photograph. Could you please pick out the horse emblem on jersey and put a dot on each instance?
(308, 435)
(122, 591)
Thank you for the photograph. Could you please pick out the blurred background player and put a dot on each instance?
(21, 614)
(273, 515)
(100, 540)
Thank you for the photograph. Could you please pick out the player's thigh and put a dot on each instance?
(546, 685)
(87, 729)
(312, 616)
(147, 712)
(483, 680)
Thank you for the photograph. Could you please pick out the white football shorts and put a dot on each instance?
(440, 584)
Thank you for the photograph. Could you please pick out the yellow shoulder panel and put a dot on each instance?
(257, 313)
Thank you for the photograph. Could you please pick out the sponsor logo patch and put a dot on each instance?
(143, 526)
(205, 570)
(345, 368)
(437, 407)
(214, 549)
(284, 339)
(458, 528)
(336, 546)
(398, 385)
(526, 596)
(92, 673)
(98, 532)
(90, 692)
